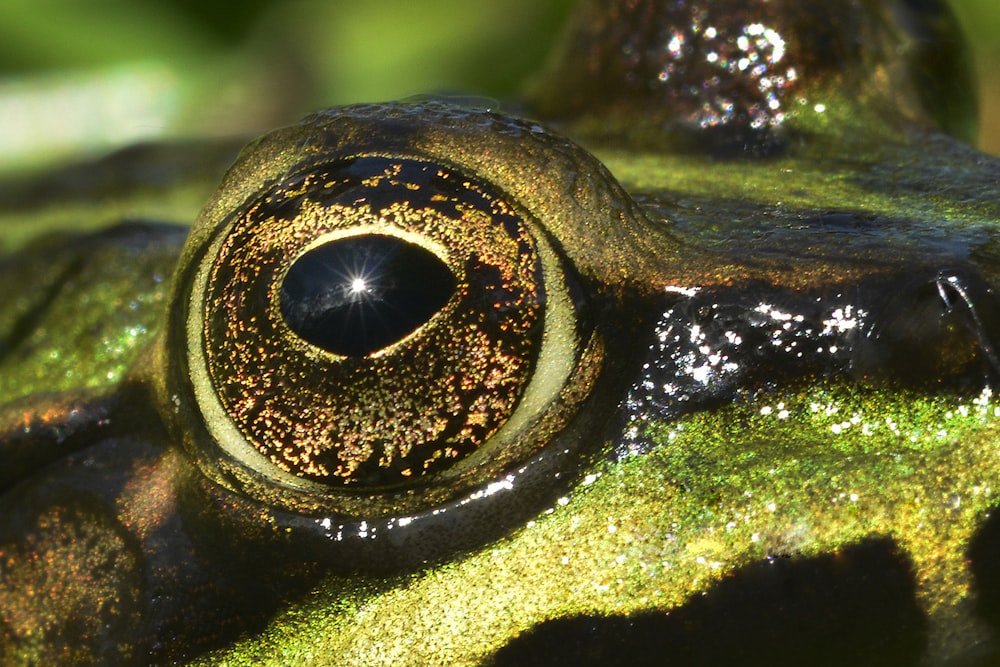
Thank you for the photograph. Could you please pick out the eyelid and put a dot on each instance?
(597, 225)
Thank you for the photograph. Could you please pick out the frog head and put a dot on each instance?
(692, 356)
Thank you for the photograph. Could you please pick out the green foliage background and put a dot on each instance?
(216, 67)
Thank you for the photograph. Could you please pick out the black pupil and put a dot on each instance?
(356, 295)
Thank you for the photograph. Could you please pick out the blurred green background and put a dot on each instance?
(82, 76)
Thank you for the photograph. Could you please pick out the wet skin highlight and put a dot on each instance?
(705, 376)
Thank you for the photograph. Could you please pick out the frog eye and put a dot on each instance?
(370, 333)
(336, 295)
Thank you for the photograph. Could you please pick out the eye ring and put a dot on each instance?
(239, 435)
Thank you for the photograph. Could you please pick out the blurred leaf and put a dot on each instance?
(84, 76)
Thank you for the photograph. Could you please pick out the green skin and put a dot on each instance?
(829, 507)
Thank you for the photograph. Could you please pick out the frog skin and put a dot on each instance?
(704, 373)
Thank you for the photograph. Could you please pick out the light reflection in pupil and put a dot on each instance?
(357, 295)
(358, 285)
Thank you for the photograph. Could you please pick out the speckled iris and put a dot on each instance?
(712, 377)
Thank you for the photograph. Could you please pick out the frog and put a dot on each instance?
(688, 357)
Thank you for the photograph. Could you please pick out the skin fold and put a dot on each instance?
(710, 382)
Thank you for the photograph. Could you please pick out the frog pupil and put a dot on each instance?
(357, 295)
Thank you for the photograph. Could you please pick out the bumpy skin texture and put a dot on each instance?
(758, 423)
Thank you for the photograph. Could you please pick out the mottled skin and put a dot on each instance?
(775, 441)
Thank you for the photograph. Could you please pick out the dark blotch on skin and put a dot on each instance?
(786, 611)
